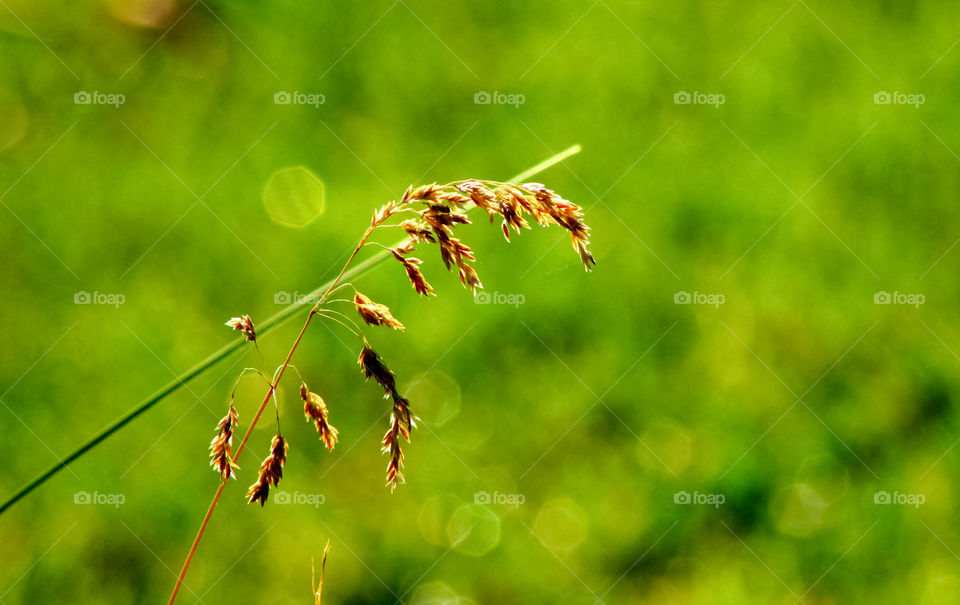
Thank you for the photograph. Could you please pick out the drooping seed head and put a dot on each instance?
(372, 365)
(401, 423)
(417, 231)
(221, 447)
(375, 314)
(315, 410)
(414, 274)
(443, 218)
(271, 471)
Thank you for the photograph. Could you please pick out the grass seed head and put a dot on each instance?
(372, 365)
(245, 325)
(418, 231)
(271, 471)
(221, 448)
(401, 423)
(414, 274)
(375, 314)
(315, 410)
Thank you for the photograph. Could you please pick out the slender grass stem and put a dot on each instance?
(271, 392)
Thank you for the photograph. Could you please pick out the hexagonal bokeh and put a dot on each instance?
(473, 530)
(561, 524)
(294, 196)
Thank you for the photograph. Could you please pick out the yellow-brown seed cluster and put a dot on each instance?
(402, 422)
(375, 314)
(271, 471)
(439, 210)
(565, 213)
(245, 325)
(440, 216)
(315, 409)
(221, 448)
(414, 274)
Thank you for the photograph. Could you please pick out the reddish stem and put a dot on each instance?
(256, 418)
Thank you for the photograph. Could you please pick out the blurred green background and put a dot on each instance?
(794, 443)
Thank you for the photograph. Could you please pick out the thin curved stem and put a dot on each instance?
(343, 285)
(243, 443)
(356, 328)
(272, 391)
(347, 326)
(385, 247)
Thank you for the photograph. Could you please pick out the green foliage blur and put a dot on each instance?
(786, 436)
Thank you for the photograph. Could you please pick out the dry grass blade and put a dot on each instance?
(318, 590)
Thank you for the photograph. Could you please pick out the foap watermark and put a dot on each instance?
(499, 298)
(714, 500)
(314, 500)
(286, 298)
(482, 97)
(114, 500)
(98, 298)
(899, 298)
(514, 500)
(696, 97)
(98, 98)
(914, 500)
(899, 98)
(698, 298)
(283, 97)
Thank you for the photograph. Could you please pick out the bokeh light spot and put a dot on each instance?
(799, 509)
(561, 524)
(437, 396)
(143, 13)
(294, 197)
(434, 517)
(941, 590)
(437, 593)
(473, 529)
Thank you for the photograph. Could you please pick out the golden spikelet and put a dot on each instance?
(245, 325)
(425, 192)
(565, 213)
(315, 410)
(479, 194)
(413, 273)
(401, 423)
(271, 471)
(443, 218)
(418, 232)
(375, 314)
(221, 448)
(383, 213)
